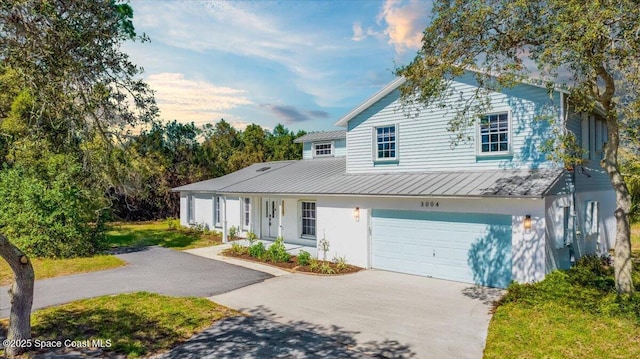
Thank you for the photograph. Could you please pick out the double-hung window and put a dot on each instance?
(494, 134)
(323, 149)
(246, 213)
(308, 217)
(386, 143)
(191, 209)
(217, 211)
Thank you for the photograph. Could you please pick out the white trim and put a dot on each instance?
(330, 143)
(374, 140)
(300, 218)
(392, 86)
(509, 150)
(191, 209)
(217, 211)
(244, 212)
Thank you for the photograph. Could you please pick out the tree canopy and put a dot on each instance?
(591, 48)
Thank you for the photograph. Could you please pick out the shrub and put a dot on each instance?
(325, 268)
(593, 271)
(238, 249)
(233, 231)
(257, 250)
(51, 213)
(173, 224)
(277, 252)
(314, 264)
(341, 263)
(304, 258)
(251, 237)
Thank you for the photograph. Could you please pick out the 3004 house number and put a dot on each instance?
(429, 204)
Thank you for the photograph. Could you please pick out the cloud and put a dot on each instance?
(360, 34)
(290, 114)
(191, 100)
(405, 22)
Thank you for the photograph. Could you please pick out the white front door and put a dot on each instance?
(270, 220)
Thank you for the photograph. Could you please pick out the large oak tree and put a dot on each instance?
(591, 48)
(72, 82)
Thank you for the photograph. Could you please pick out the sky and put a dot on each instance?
(303, 64)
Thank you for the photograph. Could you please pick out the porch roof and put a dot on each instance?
(328, 177)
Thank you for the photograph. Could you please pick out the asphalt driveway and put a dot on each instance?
(152, 269)
(364, 315)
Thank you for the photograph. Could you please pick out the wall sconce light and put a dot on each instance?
(356, 214)
(527, 223)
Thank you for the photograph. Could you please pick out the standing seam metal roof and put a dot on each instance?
(327, 176)
(322, 136)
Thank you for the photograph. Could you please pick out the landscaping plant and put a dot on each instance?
(277, 252)
(304, 258)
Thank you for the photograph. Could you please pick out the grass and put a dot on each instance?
(157, 233)
(137, 324)
(570, 314)
(48, 268)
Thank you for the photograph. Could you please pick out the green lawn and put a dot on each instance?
(157, 233)
(137, 324)
(571, 314)
(47, 268)
(635, 237)
(119, 235)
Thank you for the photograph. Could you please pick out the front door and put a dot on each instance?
(270, 219)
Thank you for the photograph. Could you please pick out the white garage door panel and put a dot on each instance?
(472, 248)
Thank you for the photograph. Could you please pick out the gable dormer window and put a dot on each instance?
(494, 134)
(323, 149)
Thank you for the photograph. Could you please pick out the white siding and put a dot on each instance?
(339, 148)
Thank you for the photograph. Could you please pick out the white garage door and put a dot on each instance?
(465, 247)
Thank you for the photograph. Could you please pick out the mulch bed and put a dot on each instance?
(292, 264)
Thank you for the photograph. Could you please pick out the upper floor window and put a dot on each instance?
(386, 143)
(494, 134)
(323, 149)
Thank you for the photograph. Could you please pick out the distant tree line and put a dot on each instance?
(174, 154)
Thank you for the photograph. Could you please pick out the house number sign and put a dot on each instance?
(426, 204)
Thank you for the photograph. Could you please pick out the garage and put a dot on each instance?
(465, 247)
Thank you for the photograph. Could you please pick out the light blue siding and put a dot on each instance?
(306, 151)
(465, 247)
(425, 144)
(339, 148)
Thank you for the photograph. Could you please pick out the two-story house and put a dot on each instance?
(390, 191)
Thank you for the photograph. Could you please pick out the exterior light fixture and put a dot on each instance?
(527, 223)
(356, 214)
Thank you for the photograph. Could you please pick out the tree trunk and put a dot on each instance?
(20, 295)
(622, 262)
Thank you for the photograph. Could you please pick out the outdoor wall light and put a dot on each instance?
(356, 214)
(527, 223)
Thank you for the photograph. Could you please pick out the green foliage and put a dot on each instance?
(277, 252)
(304, 258)
(558, 316)
(630, 167)
(341, 263)
(258, 251)
(238, 249)
(325, 268)
(233, 232)
(314, 265)
(50, 214)
(173, 224)
(251, 237)
(137, 323)
(157, 233)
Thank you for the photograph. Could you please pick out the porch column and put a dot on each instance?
(280, 212)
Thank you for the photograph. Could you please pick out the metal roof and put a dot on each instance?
(217, 184)
(322, 136)
(327, 176)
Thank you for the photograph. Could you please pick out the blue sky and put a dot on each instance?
(300, 63)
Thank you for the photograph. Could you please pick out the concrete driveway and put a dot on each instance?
(152, 269)
(364, 315)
